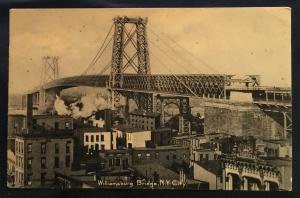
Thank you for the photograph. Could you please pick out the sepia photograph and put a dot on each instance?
(150, 98)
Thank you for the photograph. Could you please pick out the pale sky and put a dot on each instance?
(229, 40)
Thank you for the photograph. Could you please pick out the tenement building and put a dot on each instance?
(144, 120)
(39, 154)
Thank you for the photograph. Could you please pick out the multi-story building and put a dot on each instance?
(109, 162)
(53, 122)
(143, 120)
(38, 154)
(11, 161)
(164, 155)
(209, 172)
(134, 137)
(162, 136)
(95, 139)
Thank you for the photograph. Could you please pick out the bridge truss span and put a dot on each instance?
(206, 86)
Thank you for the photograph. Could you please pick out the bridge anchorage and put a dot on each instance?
(152, 91)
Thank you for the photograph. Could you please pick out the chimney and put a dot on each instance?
(29, 107)
(107, 119)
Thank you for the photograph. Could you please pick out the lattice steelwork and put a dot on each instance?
(209, 86)
(121, 39)
(142, 47)
(50, 70)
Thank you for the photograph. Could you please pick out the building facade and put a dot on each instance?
(142, 120)
(164, 155)
(38, 155)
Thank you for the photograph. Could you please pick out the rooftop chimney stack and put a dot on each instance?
(29, 107)
(107, 119)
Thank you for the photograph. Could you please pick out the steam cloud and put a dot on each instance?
(60, 107)
(83, 108)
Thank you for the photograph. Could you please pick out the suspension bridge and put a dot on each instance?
(128, 74)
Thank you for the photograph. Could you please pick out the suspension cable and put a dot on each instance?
(97, 56)
(184, 49)
(180, 81)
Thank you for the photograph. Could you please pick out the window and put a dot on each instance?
(67, 161)
(147, 156)
(43, 148)
(215, 156)
(102, 138)
(92, 138)
(174, 157)
(29, 179)
(68, 145)
(97, 138)
(92, 147)
(201, 157)
(22, 146)
(56, 162)
(206, 156)
(117, 161)
(67, 125)
(29, 147)
(156, 155)
(97, 147)
(56, 148)
(86, 138)
(56, 125)
(17, 146)
(139, 155)
(29, 163)
(167, 157)
(43, 178)
(110, 162)
(102, 147)
(43, 162)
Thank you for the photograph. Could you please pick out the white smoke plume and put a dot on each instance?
(90, 104)
(83, 108)
(60, 107)
(97, 123)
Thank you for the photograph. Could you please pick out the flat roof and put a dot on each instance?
(42, 116)
(167, 147)
(184, 137)
(148, 114)
(128, 129)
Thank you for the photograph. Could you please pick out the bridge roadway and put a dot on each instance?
(201, 85)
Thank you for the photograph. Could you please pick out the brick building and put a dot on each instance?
(164, 155)
(38, 154)
(134, 137)
(143, 120)
(161, 136)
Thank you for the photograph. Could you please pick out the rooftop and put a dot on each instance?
(128, 129)
(213, 166)
(147, 114)
(185, 137)
(92, 129)
(45, 116)
(45, 133)
(162, 129)
(148, 169)
(167, 147)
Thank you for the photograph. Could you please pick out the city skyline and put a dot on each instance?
(262, 45)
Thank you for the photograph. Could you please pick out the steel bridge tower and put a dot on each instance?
(139, 62)
(50, 72)
(121, 60)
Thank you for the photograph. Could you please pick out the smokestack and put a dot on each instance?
(107, 119)
(29, 107)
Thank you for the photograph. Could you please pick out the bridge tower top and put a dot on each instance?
(129, 31)
(50, 70)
